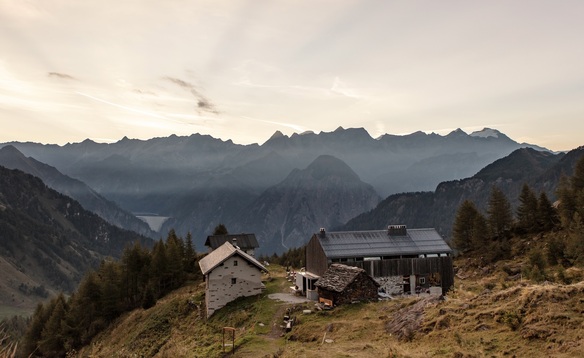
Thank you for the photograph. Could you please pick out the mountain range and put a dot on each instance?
(541, 170)
(283, 190)
(11, 158)
(48, 241)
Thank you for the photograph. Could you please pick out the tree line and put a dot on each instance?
(491, 233)
(140, 277)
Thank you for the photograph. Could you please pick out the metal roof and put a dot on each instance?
(222, 253)
(381, 243)
(244, 241)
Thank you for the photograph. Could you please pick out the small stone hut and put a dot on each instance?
(342, 284)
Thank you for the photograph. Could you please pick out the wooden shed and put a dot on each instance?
(342, 284)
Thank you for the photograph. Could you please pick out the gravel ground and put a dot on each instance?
(287, 297)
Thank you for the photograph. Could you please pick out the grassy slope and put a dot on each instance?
(488, 314)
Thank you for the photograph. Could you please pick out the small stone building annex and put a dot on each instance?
(342, 284)
(230, 273)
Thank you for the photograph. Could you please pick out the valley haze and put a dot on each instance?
(283, 190)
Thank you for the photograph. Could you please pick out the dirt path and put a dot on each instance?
(288, 298)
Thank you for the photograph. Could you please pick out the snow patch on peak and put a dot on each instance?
(485, 133)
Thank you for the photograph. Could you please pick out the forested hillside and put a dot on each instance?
(66, 324)
(48, 241)
(542, 171)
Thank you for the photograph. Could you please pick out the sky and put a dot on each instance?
(242, 70)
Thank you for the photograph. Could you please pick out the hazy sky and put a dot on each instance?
(241, 70)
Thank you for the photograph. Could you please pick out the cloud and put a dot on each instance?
(63, 76)
(203, 103)
(339, 87)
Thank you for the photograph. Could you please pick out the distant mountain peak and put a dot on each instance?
(328, 165)
(339, 129)
(457, 133)
(11, 150)
(486, 132)
(277, 134)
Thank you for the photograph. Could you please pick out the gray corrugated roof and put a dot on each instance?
(380, 243)
(222, 253)
(244, 241)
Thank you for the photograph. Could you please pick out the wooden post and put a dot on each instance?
(232, 331)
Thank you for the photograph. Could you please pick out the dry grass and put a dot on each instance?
(486, 316)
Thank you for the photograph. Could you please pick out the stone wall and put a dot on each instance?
(235, 278)
(392, 285)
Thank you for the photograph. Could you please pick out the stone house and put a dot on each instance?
(230, 273)
(342, 284)
(401, 260)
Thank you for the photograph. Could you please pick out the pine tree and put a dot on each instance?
(52, 342)
(463, 230)
(220, 230)
(175, 259)
(159, 266)
(567, 206)
(500, 217)
(110, 291)
(190, 255)
(33, 333)
(480, 232)
(527, 210)
(135, 267)
(547, 216)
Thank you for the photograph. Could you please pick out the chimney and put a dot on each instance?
(235, 243)
(322, 232)
(397, 230)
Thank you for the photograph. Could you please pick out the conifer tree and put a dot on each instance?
(175, 260)
(110, 291)
(463, 230)
(51, 343)
(480, 232)
(190, 255)
(500, 217)
(527, 210)
(33, 333)
(567, 206)
(547, 217)
(159, 266)
(220, 230)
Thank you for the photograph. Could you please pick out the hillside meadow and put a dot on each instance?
(488, 314)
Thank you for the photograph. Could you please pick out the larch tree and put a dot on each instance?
(527, 210)
(547, 216)
(463, 229)
(499, 214)
(220, 230)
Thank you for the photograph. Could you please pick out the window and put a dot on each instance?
(233, 281)
(234, 262)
